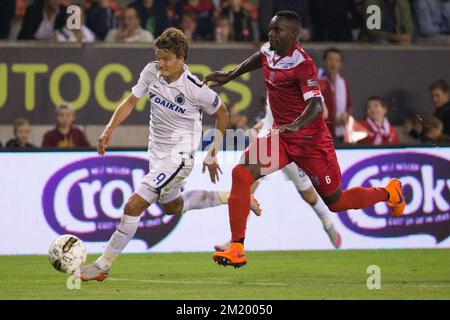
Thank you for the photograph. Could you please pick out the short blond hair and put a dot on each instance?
(174, 40)
(20, 122)
(432, 123)
(64, 106)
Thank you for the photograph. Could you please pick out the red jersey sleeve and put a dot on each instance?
(308, 80)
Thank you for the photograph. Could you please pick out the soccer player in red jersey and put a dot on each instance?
(299, 135)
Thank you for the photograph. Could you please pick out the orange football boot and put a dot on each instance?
(396, 201)
(232, 256)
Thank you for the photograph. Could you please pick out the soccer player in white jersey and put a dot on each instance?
(303, 185)
(178, 100)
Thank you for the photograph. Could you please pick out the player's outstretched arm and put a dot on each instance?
(210, 161)
(312, 111)
(121, 113)
(219, 78)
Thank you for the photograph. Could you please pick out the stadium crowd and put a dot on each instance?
(403, 21)
(374, 130)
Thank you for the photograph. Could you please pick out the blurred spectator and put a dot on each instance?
(101, 18)
(41, 19)
(440, 92)
(82, 35)
(268, 8)
(153, 15)
(22, 130)
(405, 136)
(263, 109)
(433, 132)
(379, 129)
(396, 22)
(237, 120)
(65, 135)
(332, 20)
(131, 30)
(7, 11)
(412, 129)
(223, 30)
(336, 92)
(358, 20)
(240, 20)
(203, 10)
(188, 25)
(433, 20)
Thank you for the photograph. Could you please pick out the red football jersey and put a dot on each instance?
(291, 81)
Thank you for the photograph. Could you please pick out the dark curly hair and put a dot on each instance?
(173, 40)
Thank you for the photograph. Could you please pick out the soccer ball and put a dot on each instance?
(67, 253)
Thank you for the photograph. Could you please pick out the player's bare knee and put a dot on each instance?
(132, 209)
(173, 207)
(334, 201)
(135, 206)
(309, 196)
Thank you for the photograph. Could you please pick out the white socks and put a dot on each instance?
(119, 240)
(323, 212)
(195, 199)
(201, 199)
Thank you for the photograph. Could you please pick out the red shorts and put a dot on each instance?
(316, 156)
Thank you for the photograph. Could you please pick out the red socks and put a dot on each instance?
(359, 198)
(239, 202)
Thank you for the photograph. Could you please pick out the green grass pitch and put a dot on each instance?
(405, 274)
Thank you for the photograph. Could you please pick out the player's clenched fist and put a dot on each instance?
(103, 141)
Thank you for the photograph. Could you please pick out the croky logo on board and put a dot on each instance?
(86, 199)
(426, 184)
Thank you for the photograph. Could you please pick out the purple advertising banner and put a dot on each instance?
(426, 183)
(81, 193)
(86, 197)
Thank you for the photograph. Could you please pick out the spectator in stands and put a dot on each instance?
(332, 20)
(440, 94)
(42, 18)
(262, 109)
(336, 92)
(203, 10)
(379, 129)
(268, 8)
(22, 130)
(188, 25)
(7, 11)
(152, 14)
(237, 120)
(240, 20)
(223, 30)
(433, 20)
(433, 132)
(408, 135)
(396, 22)
(65, 135)
(131, 30)
(101, 18)
(82, 35)
(412, 128)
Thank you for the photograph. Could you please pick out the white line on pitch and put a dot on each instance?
(203, 282)
(269, 284)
